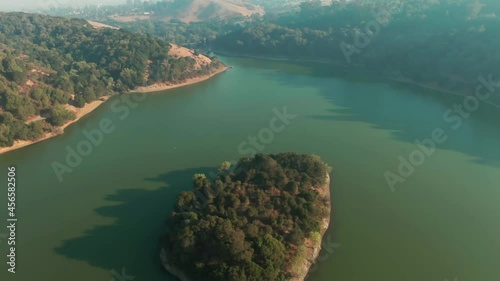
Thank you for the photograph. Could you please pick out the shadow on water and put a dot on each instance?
(103, 248)
(408, 112)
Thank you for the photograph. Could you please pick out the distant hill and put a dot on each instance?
(446, 45)
(195, 10)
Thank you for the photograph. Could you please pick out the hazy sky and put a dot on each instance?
(33, 4)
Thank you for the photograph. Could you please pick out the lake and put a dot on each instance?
(439, 220)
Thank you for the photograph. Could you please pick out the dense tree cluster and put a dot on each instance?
(194, 34)
(48, 62)
(250, 223)
(446, 43)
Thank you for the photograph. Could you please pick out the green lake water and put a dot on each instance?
(108, 213)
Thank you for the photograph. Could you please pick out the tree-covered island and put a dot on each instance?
(261, 220)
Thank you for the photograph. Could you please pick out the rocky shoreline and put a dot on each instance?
(172, 269)
(313, 252)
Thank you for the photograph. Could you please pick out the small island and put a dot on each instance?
(262, 219)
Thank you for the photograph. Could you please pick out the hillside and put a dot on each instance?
(192, 10)
(444, 45)
(261, 220)
(203, 67)
(50, 67)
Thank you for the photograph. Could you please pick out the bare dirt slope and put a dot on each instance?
(200, 10)
(100, 25)
(201, 60)
(177, 51)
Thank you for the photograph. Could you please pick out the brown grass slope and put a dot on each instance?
(201, 10)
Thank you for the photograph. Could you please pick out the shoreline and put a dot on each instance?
(158, 87)
(312, 256)
(288, 59)
(89, 107)
(401, 80)
(313, 253)
(80, 112)
(170, 268)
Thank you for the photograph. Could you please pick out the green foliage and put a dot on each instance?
(35, 130)
(18, 105)
(12, 129)
(224, 167)
(59, 115)
(245, 224)
(79, 101)
(298, 260)
(296, 236)
(315, 237)
(194, 34)
(41, 98)
(445, 43)
(45, 60)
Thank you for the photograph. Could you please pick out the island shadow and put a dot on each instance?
(132, 242)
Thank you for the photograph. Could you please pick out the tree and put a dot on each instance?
(5, 138)
(41, 98)
(59, 115)
(227, 239)
(14, 70)
(18, 105)
(296, 236)
(35, 130)
(59, 96)
(199, 180)
(79, 101)
(224, 167)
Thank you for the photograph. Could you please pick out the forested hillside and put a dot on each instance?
(49, 62)
(443, 43)
(195, 34)
(252, 222)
